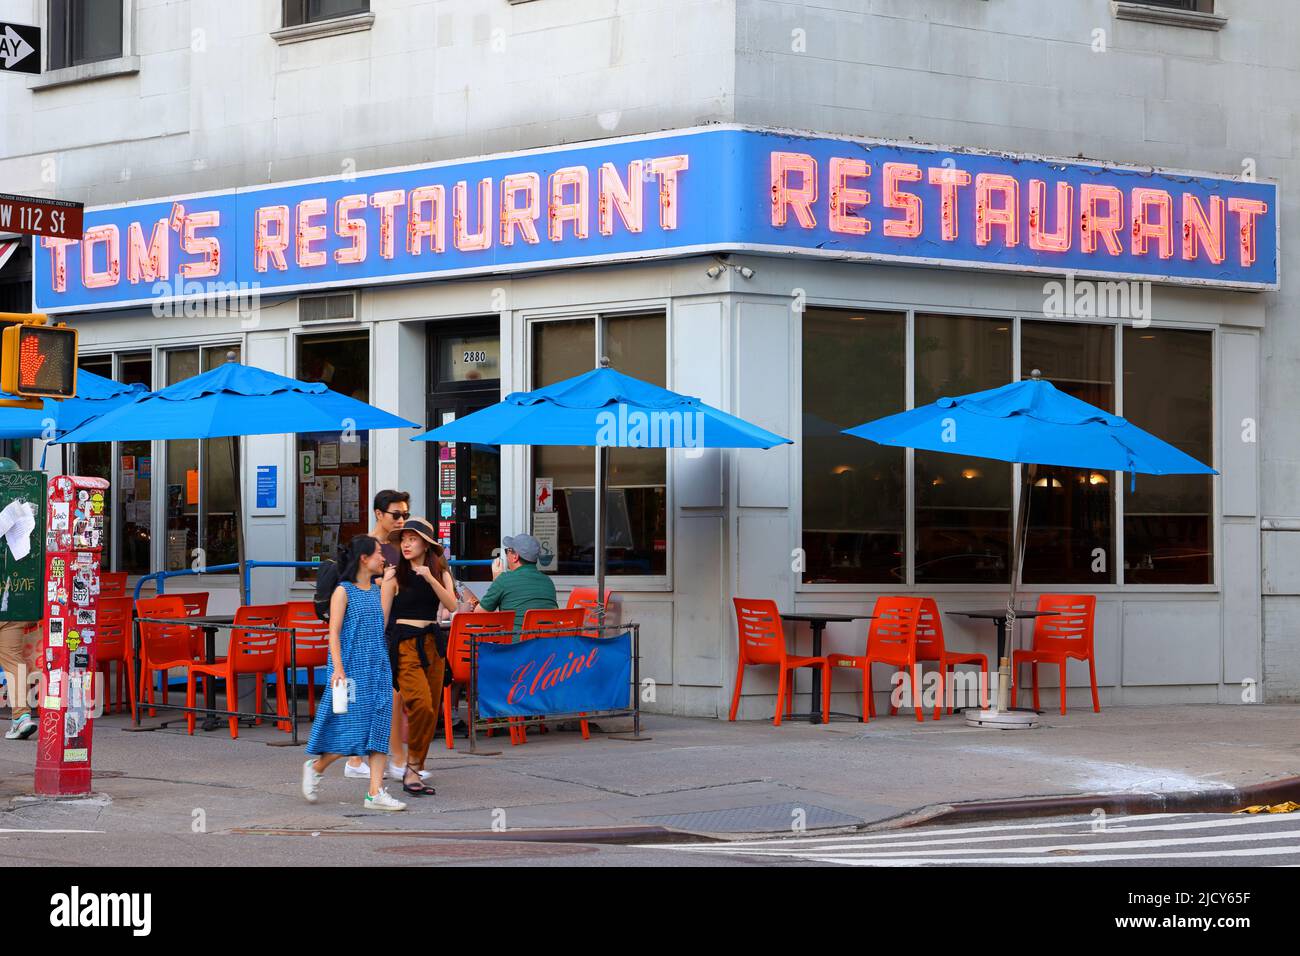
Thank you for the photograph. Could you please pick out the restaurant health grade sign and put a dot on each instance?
(712, 189)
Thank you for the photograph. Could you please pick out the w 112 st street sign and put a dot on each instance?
(20, 48)
(34, 216)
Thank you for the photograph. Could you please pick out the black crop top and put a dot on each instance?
(415, 600)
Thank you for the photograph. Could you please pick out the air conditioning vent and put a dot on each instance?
(339, 307)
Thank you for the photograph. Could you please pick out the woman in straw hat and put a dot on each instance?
(421, 589)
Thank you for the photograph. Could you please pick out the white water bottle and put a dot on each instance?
(339, 695)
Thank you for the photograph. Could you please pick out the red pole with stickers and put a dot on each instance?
(67, 699)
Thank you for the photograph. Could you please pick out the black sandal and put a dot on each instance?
(420, 789)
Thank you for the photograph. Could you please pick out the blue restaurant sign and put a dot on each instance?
(711, 189)
(555, 675)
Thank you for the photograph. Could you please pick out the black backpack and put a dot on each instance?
(327, 579)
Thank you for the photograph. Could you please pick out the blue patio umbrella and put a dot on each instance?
(96, 395)
(1031, 423)
(604, 408)
(229, 401)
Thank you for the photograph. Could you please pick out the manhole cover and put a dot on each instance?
(764, 819)
(487, 850)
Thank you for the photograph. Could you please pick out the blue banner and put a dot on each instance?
(710, 189)
(555, 675)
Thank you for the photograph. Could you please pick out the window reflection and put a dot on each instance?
(637, 513)
(1169, 391)
(1071, 537)
(854, 491)
(963, 505)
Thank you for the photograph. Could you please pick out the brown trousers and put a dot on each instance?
(421, 690)
(17, 657)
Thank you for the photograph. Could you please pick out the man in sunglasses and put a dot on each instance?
(392, 508)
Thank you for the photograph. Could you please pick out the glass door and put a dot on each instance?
(464, 479)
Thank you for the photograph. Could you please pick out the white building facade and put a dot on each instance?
(294, 122)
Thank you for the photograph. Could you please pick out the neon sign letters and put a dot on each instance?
(689, 192)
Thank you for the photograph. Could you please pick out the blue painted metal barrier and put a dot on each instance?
(160, 577)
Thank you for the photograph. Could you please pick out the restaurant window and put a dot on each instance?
(854, 491)
(83, 31)
(636, 511)
(128, 468)
(200, 487)
(1071, 537)
(298, 12)
(134, 479)
(1168, 519)
(333, 468)
(963, 505)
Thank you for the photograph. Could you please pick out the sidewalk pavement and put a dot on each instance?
(695, 775)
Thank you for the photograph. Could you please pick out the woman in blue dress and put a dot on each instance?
(359, 658)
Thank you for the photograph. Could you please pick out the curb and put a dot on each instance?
(605, 835)
(1190, 801)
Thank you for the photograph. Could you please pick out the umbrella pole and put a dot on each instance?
(1019, 535)
(236, 477)
(601, 476)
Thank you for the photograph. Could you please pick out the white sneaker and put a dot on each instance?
(382, 801)
(310, 781)
(22, 728)
(357, 773)
(394, 772)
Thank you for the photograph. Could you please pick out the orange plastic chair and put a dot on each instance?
(585, 598)
(162, 646)
(113, 644)
(762, 641)
(196, 605)
(112, 584)
(539, 619)
(312, 650)
(891, 639)
(1065, 635)
(253, 650)
(930, 647)
(490, 627)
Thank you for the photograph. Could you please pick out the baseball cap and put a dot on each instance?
(526, 546)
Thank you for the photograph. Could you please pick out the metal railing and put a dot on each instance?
(231, 692)
(503, 723)
(160, 578)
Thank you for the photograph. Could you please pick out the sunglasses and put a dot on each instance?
(398, 515)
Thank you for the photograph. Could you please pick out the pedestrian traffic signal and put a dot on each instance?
(39, 361)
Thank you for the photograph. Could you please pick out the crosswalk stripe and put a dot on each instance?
(1111, 823)
(1039, 861)
(799, 845)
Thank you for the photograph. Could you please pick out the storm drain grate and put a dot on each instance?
(770, 818)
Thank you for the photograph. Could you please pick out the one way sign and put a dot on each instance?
(20, 48)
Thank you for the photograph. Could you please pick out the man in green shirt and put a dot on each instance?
(520, 586)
